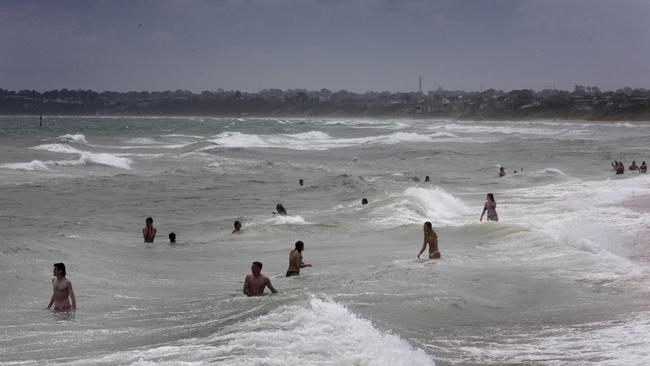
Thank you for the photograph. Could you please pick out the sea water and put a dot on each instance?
(562, 278)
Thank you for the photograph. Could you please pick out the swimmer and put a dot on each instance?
(633, 166)
(431, 238)
(491, 208)
(255, 282)
(643, 168)
(172, 237)
(502, 172)
(301, 182)
(280, 210)
(237, 226)
(62, 294)
(364, 201)
(148, 231)
(295, 260)
(427, 179)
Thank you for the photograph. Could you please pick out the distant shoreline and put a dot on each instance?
(584, 103)
(577, 119)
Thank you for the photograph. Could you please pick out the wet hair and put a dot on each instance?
(428, 225)
(300, 245)
(60, 267)
(149, 220)
(172, 237)
(490, 196)
(258, 264)
(300, 181)
(281, 210)
(364, 201)
(237, 223)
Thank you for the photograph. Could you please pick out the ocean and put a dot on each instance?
(562, 279)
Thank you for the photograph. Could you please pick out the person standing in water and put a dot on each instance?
(256, 282)
(62, 294)
(295, 260)
(643, 168)
(431, 238)
(491, 208)
(148, 231)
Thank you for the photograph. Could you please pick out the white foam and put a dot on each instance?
(58, 148)
(608, 343)
(417, 205)
(31, 166)
(316, 140)
(437, 204)
(287, 220)
(85, 157)
(320, 333)
(74, 138)
(519, 129)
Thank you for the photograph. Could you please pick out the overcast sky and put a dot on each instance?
(357, 45)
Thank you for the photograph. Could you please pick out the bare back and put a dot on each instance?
(431, 238)
(149, 233)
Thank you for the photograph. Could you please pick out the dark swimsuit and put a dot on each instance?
(292, 273)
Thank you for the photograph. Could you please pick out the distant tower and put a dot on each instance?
(420, 85)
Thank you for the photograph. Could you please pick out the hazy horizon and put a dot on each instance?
(357, 45)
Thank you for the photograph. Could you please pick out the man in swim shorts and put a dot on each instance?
(62, 294)
(295, 260)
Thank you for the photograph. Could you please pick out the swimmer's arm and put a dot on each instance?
(482, 213)
(51, 298)
(73, 300)
(51, 302)
(247, 289)
(303, 264)
(270, 286)
(144, 234)
(424, 245)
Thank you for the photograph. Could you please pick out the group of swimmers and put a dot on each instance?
(255, 283)
(619, 168)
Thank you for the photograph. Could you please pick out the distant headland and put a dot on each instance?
(587, 103)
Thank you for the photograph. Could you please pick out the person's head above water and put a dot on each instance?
(149, 220)
(60, 267)
(364, 201)
(256, 268)
(237, 225)
(427, 179)
(490, 197)
(427, 226)
(301, 182)
(300, 246)
(172, 237)
(280, 209)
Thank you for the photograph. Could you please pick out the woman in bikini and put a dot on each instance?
(491, 208)
(431, 238)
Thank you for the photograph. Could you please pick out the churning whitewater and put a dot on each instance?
(561, 278)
